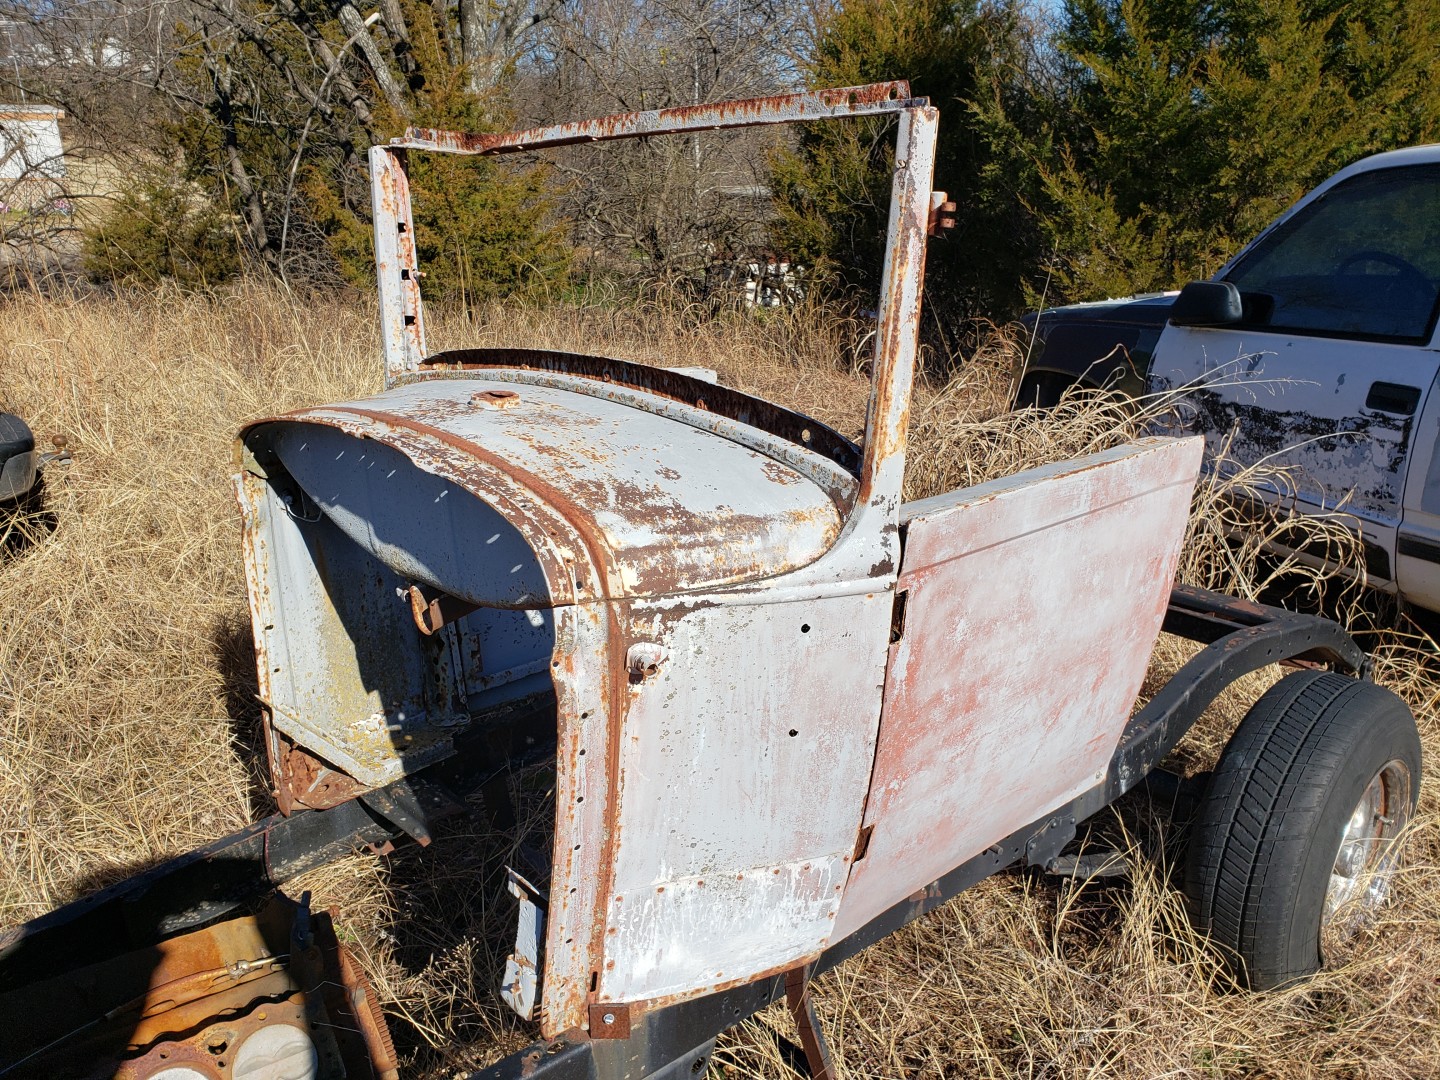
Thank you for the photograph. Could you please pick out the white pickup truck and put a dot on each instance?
(1315, 346)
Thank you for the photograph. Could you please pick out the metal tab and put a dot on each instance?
(521, 983)
(609, 1021)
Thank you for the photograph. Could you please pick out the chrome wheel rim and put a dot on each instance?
(1365, 861)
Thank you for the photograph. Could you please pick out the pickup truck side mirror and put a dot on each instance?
(1206, 303)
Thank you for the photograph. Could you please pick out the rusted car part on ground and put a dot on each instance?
(267, 995)
(785, 713)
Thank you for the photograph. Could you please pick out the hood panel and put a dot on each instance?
(676, 507)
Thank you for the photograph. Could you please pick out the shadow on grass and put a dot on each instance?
(25, 522)
(232, 649)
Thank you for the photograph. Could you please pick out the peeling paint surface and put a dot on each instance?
(1033, 604)
(719, 928)
(886, 97)
(743, 766)
(1301, 403)
(678, 508)
(704, 579)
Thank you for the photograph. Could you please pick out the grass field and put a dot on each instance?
(128, 725)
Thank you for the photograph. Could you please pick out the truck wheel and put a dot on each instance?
(1294, 835)
(1042, 390)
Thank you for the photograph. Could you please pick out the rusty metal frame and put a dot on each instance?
(1240, 637)
(402, 317)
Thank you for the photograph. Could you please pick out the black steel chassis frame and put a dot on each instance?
(664, 1044)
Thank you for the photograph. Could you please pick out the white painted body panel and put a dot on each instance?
(1033, 606)
(743, 767)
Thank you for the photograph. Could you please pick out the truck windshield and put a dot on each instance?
(1362, 261)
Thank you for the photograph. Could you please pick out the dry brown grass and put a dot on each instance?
(127, 725)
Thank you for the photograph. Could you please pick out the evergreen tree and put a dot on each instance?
(1183, 128)
(273, 107)
(833, 190)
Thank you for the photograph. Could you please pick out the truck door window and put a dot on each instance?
(1362, 261)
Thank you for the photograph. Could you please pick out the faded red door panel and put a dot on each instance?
(1033, 604)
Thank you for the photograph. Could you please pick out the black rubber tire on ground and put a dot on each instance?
(1270, 826)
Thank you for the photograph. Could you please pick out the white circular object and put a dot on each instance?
(178, 1072)
(277, 1052)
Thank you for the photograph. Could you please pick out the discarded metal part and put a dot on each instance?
(850, 101)
(365, 1008)
(521, 982)
(239, 999)
(203, 884)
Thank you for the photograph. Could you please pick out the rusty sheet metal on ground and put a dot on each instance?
(1033, 604)
(273, 991)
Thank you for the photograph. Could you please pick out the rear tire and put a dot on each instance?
(1294, 832)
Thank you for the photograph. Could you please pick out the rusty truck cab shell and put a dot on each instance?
(678, 564)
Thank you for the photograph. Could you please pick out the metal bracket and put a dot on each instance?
(521, 983)
(609, 1021)
(399, 806)
(942, 213)
(433, 610)
(812, 1038)
(1047, 843)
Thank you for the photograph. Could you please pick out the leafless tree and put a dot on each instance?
(690, 208)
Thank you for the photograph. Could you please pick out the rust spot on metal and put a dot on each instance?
(709, 397)
(779, 474)
(434, 610)
(216, 1000)
(365, 1008)
(888, 97)
(609, 1021)
(496, 399)
(304, 781)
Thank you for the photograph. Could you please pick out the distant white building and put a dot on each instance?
(30, 147)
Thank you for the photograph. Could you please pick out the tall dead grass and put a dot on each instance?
(128, 723)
